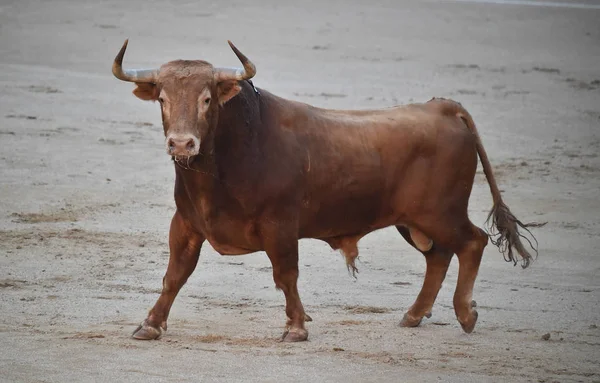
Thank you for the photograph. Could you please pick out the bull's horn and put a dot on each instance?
(132, 75)
(249, 70)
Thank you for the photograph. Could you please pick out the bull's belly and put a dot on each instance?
(228, 249)
(360, 213)
(346, 218)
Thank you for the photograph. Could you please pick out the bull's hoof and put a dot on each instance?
(410, 321)
(295, 335)
(146, 332)
(469, 325)
(307, 318)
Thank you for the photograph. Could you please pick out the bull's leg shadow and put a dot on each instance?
(184, 244)
(438, 260)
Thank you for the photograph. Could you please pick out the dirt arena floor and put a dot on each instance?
(86, 193)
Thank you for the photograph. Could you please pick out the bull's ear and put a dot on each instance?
(146, 91)
(227, 90)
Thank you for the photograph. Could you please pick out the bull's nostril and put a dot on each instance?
(190, 146)
(171, 145)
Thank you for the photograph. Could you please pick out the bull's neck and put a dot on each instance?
(228, 152)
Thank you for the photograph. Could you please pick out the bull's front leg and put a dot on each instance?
(184, 244)
(283, 253)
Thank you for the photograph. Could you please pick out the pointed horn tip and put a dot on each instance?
(125, 44)
(121, 54)
(234, 48)
(242, 57)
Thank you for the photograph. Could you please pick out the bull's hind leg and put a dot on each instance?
(472, 241)
(185, 246)
(438, 260)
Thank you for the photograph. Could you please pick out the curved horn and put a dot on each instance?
(132, 75)
(249, 70)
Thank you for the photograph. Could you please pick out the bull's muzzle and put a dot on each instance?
(182, 145)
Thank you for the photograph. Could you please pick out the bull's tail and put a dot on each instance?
(503, 225)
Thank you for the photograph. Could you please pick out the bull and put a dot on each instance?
(254, 172)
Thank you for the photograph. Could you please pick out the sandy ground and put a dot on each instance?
(86, 194)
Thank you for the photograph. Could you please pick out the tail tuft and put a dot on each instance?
(350, 262)
(504, 233)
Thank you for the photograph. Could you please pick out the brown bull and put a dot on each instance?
(257, 172)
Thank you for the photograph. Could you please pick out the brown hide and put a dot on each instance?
(270, 171)
(325, 174)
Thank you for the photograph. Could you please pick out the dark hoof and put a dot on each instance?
(470, 324)
(295, 335)
(410, 321)
(307, 318)
(473, 304)
(146, 332)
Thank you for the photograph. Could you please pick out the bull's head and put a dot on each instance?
(190, 94)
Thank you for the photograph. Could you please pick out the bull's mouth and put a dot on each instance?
(184, 160)
(182, 157)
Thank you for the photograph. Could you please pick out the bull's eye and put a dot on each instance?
(207, 101)
(161, 100)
